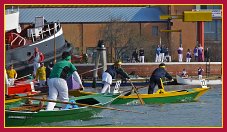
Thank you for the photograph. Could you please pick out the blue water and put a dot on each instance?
(206, 112)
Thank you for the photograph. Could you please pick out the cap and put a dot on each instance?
(51, 64)
(66, 55)
(162, 65)
(118, 62)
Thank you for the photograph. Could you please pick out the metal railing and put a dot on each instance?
(22, 40)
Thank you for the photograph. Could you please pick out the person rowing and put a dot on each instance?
(158, 73)
(111, 73)
(57, 80)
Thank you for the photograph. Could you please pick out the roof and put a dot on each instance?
(92, 15)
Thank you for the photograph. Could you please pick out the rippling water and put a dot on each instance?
(206, 112)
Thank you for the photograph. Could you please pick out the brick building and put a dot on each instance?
(84, 26)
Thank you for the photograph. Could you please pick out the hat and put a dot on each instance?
(118, 62)
(162, 65)
(51, 64)
(66, 55)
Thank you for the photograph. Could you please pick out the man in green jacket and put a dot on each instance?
(57, 80)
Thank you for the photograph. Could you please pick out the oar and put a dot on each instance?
(140, 99)
(93, 106)
(162, 83)
(13, 96)
(130, 91)
(162, 90)
(90, 70)
(23, 77)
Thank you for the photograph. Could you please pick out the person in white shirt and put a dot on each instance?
(180, 53)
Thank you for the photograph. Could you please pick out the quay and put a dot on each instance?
(145, 69)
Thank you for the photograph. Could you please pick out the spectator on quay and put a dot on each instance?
(162, 53)
(188, 56)
(196, 53)
(141, 55)
(157, 53)
(135, 56)
(207, 54)
(180, 53)
(200, 53)
(167, 55)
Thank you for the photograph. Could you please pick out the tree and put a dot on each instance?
(121, 38)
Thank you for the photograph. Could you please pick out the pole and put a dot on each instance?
(54, 44)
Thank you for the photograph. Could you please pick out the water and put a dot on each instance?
(206, 112)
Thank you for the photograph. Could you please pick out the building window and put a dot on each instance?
(209, 27)
(211, 7)
(155, 31)
(213, 30)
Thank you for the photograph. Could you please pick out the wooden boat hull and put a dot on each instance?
(166, 97)
(10, 101)
(27, 118)
(20, 88)
(177, 96)
(189, 81)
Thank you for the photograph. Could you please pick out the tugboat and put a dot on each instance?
(20, 42)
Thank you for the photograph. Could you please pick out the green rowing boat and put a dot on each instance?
(161, 96)
(88, 106)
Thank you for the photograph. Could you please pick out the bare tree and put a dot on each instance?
(121, 38)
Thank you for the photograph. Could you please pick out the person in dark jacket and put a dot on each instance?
(155, 78)
(111, 73)
(48, 70)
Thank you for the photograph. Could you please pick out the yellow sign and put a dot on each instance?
(195, 16)
(166, 17)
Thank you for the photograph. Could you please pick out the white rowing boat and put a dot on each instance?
(191, 81)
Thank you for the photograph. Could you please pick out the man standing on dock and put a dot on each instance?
(180, 53)
(141, 55)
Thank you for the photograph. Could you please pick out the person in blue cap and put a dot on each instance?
(155, 78)
(57, 80)
(111, 73)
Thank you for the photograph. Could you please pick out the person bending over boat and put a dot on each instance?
(57, 80)
(155, 78)
(111, 73)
